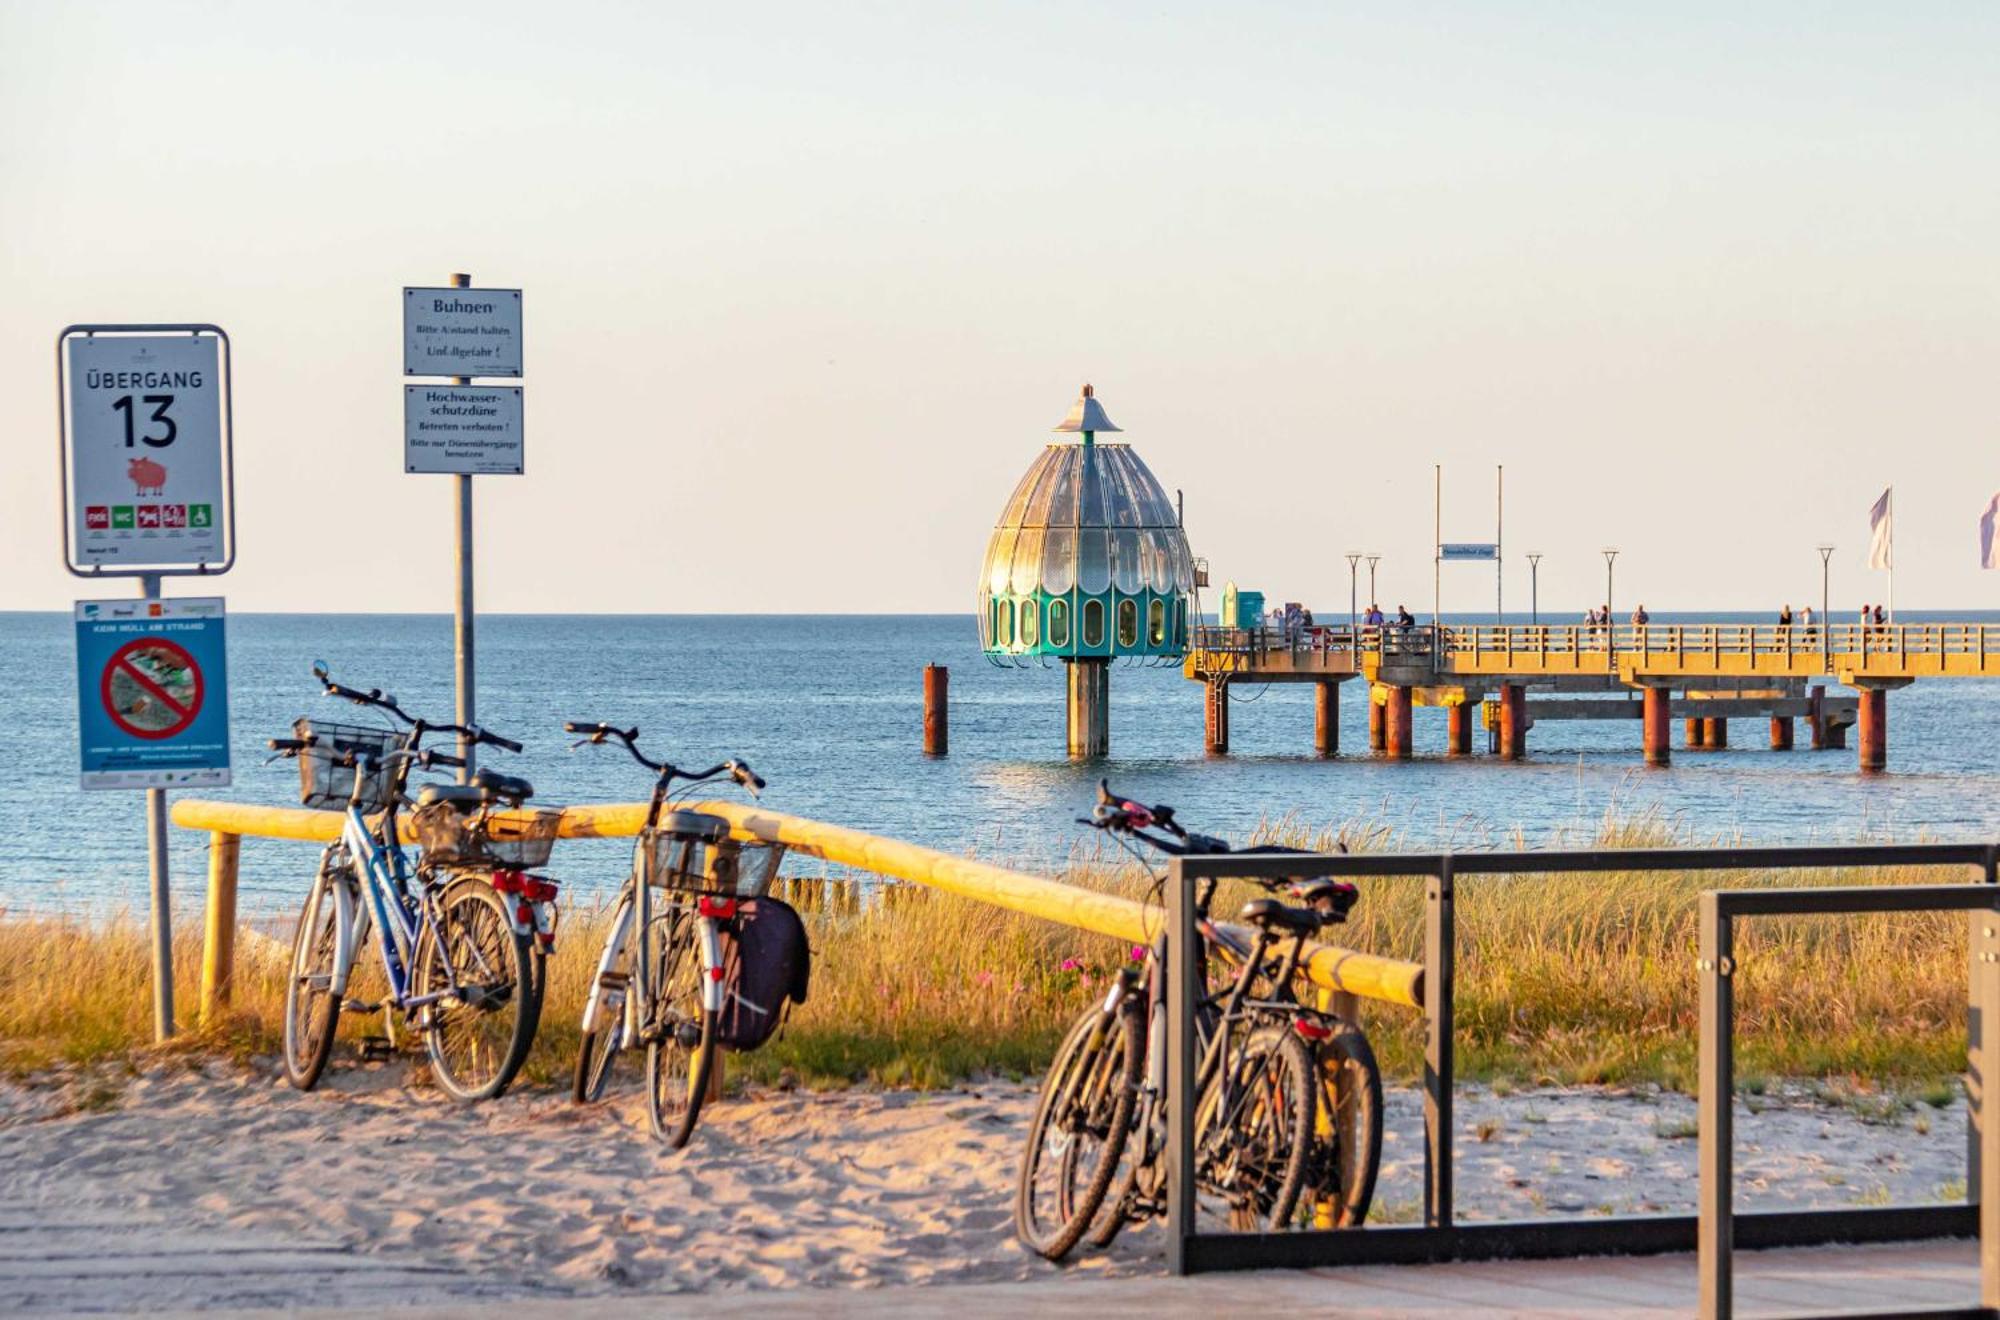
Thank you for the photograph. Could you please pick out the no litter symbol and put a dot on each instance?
(152, 688)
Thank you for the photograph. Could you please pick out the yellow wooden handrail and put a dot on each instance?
(1342, 970)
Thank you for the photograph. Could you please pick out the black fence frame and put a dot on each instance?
(1439, 1237)
(1716, 963)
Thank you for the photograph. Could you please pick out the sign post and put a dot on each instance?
(148, 490)
(463, 430)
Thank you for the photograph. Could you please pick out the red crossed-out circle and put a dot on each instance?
(121, 661)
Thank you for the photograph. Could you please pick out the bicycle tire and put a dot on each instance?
(1348, 1143)
(310, 1025)
(475, 1045)
(1274, 1088)
(1121, 1050)
(597, 1051)
(677, 1069)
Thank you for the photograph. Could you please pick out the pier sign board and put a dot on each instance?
(461, 332)
(146, 450)
(1468, 550)
(152, 693)
(474, 430)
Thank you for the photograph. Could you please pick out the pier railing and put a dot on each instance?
(1344, 971)
(1867, 650)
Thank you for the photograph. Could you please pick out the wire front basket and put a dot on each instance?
(510, 841)
(691, 865)
(325, 783)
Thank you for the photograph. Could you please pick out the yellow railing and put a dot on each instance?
(1339, 970)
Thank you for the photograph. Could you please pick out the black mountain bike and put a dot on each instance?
(1289, 1117)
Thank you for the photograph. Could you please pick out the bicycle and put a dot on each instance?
(456, 957)
(1268, 1140)
(664, 989)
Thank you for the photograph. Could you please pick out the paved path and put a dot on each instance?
(95, 1265)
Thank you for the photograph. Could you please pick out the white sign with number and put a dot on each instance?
(461, 332)
(148, 481)
(473, 430)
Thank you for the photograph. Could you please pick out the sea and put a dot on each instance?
(829, 709)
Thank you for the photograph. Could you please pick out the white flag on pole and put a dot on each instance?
(1881, 536)
(1989, 544)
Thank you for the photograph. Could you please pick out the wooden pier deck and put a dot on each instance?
(1767, 671)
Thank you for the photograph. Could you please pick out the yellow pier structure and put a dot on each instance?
(1748, 670)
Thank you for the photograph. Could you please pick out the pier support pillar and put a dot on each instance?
(937, 719)
(1781, 733)
(1874, 725)
(1714, 733)
(1459, 729)
(1089, 707)
(1816, 718)
(1216, 713)
(1658, 722)
(1378, 729)
(1397, 722)
(1696, 732)
(1326, 718)
(1513, 721)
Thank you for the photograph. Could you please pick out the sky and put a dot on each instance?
(805, 286)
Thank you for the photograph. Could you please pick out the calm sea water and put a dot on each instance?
(829, 709)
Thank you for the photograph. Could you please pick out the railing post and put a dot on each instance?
(1183, 975)
(1714, 1228)
(1440, 936)
(1975, 1031)
(1988, 992)
(218, 949)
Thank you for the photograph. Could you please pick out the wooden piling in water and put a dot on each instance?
(1513, 721)
(1657, 718)
(1696, 733)
(1874, 726)
(1397, 723)
(1714, 733)
(1458, 729)
(1326, 718)
(1781, 733)
(1378, 726)
(937, 713)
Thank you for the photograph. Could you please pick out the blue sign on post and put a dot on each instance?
(152, 693)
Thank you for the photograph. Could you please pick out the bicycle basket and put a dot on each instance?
(514, 841)
(328, 785)
(694, 854)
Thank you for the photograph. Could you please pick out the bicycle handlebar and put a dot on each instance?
(375, 697)
(595, 732)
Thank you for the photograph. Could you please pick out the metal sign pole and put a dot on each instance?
(159, 878)
(462, 630)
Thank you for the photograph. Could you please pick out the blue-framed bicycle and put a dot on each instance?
(459, 957)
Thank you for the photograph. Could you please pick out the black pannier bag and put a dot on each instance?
(765, 961)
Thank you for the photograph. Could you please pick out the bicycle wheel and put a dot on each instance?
(1079, 1131)
(312, 1010)
(680, 1038)
(1254, 1127)
(477, 1037)
(598, 1049)
(1347, 1151)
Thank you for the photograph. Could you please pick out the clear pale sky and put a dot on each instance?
(806, 285)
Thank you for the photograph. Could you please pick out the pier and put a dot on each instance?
(1654, 674)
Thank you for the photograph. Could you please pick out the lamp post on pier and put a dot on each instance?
(1353, 573)
(1825, 619)
(1610, 628)
(1373, 560)
(1534, 587)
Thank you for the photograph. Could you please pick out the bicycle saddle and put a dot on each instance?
(465, 797)
(1272, 915)
(509, 787)
(1334, 898)
(698, 824)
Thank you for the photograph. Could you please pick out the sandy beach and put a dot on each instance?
(535, 1197)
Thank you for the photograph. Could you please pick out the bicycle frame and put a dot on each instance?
(384, 874)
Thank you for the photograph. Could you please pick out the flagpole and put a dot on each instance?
(1892, 554)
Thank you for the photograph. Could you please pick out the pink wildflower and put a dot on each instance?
(1070, 964)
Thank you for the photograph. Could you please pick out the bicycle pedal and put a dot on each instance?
(359, 1006)
(377, 1048)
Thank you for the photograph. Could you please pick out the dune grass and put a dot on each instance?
(1561, 978)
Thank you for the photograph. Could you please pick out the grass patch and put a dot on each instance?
(1562, 979)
